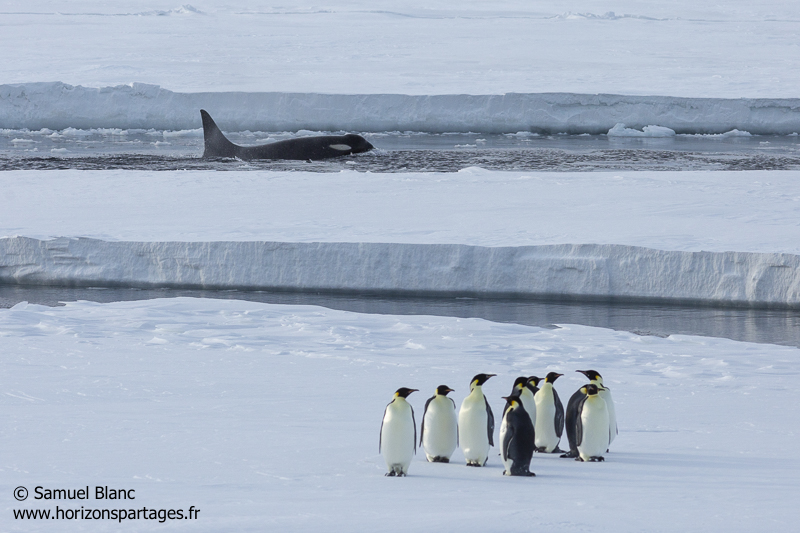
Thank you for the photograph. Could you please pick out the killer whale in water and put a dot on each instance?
(303, 148)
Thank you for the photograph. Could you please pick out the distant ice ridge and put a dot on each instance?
(581, 272)
(58, 106)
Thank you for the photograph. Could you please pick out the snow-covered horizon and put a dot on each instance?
(735, 49)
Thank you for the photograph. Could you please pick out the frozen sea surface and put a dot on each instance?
(733, 49)
(267, 417)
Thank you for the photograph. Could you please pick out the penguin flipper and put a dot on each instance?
(490, 421)
(571, 414)
(506, 444)
(579, 423)
(422, 426)
(559, 418)
(414, 421)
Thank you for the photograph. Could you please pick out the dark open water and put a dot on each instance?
(405, 152)
(774, 326)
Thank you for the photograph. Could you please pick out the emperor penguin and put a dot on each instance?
(476, 423)
(571, 419)
(549, 416)
(591, 428)
(533, 384)
(398, 440)
(605, 393)
(526, 396)
(441, 438)
(516, 438)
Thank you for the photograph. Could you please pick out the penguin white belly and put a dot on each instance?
(529, 403)
(508, 462)
(612, 415)
(397, 436)
(545, 426)
(441, 429)
(472, 429)
(594, 419)
(503, 429)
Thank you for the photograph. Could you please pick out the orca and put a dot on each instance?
(303, 148)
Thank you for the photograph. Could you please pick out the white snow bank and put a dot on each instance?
(586, 272)
(58, 106)
(266, 417)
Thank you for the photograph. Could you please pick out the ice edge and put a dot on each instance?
(56, 105)
(566, 271)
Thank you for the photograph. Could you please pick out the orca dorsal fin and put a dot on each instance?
(216, 144)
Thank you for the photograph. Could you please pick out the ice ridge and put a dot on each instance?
(57, 106)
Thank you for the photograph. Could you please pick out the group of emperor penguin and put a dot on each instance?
(533, 421)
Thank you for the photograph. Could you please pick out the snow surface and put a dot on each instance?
(751, 211)
(731, 49)
(266, 417)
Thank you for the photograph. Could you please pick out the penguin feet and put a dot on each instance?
(473, 463)
(390, 473)
(439, 459)
(543, 449)
(597, 459)
(518, 473)
(569, 455)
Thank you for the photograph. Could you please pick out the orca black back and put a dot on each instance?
(303, 148)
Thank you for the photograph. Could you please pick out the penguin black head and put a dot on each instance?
(591, 374)
(590, 389)
(480, 379)
(513, 400)
(443, 390)
(520, 382)
(552, 377)
(403, 392)
(534, 380)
